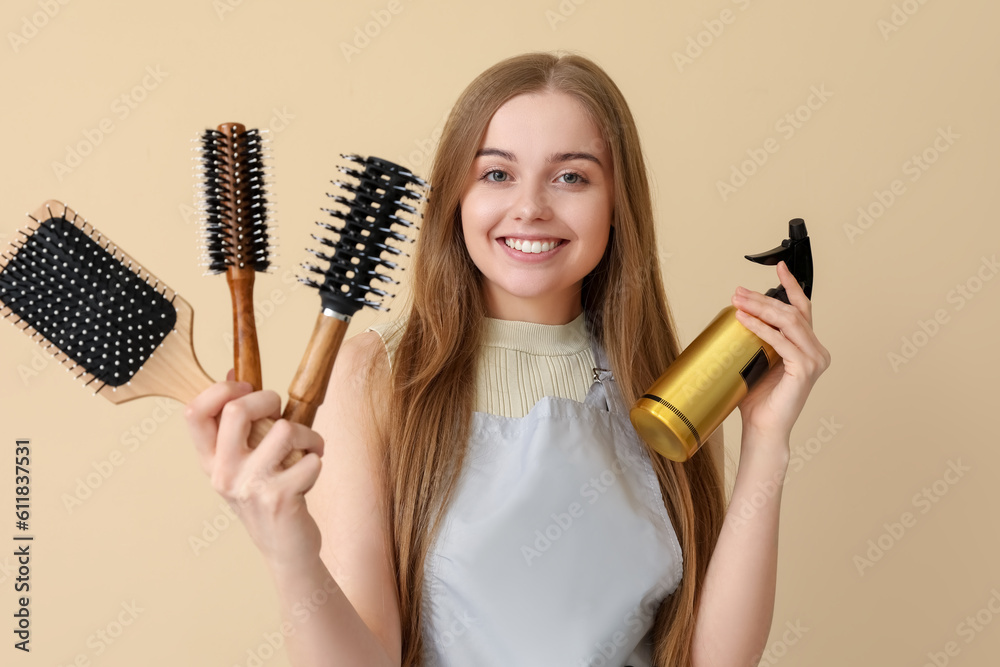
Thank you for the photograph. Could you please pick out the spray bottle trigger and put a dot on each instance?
(796, 253)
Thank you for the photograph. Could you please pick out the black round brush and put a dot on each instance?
(235, 215)
(374, 202)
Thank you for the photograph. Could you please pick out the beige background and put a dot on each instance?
(897, 430)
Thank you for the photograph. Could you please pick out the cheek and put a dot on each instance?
(479, 214)
(594, 220)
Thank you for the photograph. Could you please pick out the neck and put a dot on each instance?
(548, 309)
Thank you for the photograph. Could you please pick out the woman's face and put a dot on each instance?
(536, 210)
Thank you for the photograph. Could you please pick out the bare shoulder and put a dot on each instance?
(347, 498)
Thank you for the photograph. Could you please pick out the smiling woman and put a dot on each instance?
(540, 232)
(536, 212)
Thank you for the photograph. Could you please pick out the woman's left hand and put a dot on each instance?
(771, 407)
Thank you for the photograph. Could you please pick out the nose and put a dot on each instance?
(533, 202)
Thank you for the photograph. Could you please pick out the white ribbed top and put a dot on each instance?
(521, 362)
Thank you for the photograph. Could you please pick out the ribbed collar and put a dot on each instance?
(545, 339)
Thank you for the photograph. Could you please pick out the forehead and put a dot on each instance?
(544, 122)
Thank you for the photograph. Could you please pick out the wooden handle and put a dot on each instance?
(308, 387)
(246, 352)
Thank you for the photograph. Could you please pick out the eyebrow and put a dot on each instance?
(554, 158)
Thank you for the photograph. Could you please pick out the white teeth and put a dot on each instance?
(531, 247)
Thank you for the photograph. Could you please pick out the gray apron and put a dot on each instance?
(557, 549)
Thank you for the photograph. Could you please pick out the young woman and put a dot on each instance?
(484, 499)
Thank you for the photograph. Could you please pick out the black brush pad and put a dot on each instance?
(75, 293)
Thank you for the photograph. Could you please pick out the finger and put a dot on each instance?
(796, 296)
(303, 474)
(283, 437)
(231, 374)
(784, 347)
(811, 357)
(234, 425)
(202, 414)
(777, 314)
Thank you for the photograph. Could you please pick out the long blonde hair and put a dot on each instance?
(425, 412)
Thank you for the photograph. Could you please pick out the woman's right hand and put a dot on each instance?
(269, 499)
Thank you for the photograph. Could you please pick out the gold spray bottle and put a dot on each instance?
(711, 376)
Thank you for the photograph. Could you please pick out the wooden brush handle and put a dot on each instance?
(246, 351)
(308, 388)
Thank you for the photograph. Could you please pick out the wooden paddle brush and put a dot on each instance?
(380, 190)
(235, 216)
(99, 312)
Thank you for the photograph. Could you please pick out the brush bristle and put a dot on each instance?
(66, 283)
(233, 201)
(363, 235)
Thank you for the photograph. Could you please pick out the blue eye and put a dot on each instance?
(496, 175)
(572, 178)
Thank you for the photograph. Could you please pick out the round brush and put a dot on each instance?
(371, 205)
(235, 215)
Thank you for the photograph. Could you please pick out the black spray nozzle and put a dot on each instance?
(796, 253)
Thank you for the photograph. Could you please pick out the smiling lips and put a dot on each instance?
(530, 246)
